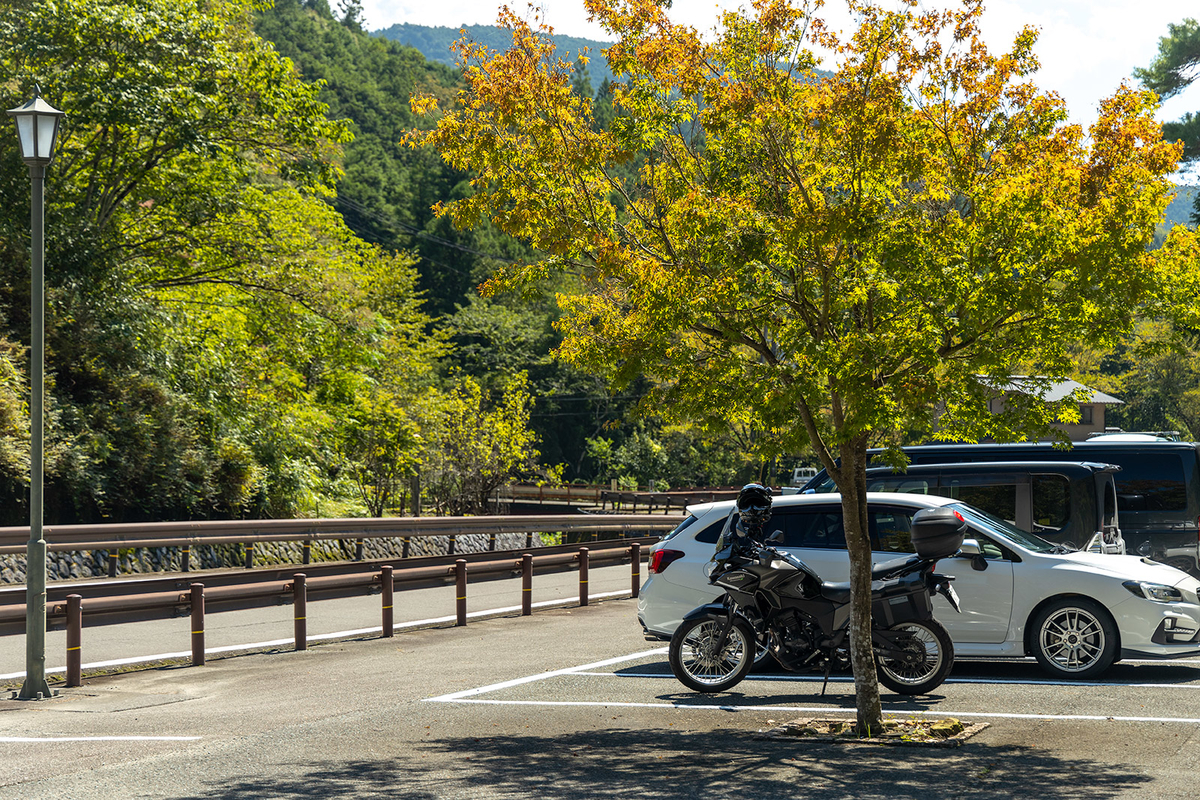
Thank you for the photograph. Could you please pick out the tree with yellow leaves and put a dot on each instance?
(840, 259)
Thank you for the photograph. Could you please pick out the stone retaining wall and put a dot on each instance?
(94, 564)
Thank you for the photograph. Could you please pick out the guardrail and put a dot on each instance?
(179, 534)
(192, 603)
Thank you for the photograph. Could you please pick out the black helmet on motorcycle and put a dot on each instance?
(754, 504)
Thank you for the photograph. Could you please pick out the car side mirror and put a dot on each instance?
(776, 537)
(970, 549)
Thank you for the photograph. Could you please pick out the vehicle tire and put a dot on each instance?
(698, 667)
(1073, 638)
(902, 678)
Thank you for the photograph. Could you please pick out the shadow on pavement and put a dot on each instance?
(695, 765)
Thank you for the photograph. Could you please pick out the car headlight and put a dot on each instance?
(1157, 592)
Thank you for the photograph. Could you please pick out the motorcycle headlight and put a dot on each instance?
(1157, 592)
(710, 568)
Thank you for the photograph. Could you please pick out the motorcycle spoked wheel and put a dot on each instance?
(696, 664)
(931, 638)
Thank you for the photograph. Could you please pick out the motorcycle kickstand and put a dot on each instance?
(828, 669)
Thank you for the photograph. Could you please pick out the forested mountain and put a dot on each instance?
(434, 43)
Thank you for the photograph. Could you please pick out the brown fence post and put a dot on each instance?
(583, 576)
(250, 555)
(197, 624)
(635, 563)
(185, 558)
(460, 582)
(112, 563)
(300, 591)
(526, 584)
(385, 580)
(307, 550)
(74, 640)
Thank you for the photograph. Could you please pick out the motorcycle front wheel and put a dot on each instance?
(697, 662)
(919, 675)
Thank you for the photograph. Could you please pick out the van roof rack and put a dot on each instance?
(1169, 436)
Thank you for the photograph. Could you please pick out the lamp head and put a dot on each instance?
(37, 129)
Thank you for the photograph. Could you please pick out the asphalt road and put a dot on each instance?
(573, 703)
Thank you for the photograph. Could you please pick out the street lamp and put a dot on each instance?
(37, 129)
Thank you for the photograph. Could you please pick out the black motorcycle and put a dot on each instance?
(774, 599)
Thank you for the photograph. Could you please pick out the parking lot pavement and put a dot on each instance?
(573, 703)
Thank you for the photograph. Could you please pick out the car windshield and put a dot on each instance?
(1000, 529)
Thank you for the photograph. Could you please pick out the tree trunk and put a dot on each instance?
(858, 542)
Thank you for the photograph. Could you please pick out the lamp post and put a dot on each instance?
(37, 129)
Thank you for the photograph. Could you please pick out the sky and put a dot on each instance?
(1086, 47)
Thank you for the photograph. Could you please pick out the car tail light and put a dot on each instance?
(660, 559)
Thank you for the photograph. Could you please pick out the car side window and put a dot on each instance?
(711, 533)
(891, 530)
(987, 548)
(810, 528)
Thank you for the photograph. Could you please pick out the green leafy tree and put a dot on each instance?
(210, 314)
(479, 445)
(1176, 67)
(832, 260)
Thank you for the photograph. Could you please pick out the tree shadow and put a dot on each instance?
(661, 763)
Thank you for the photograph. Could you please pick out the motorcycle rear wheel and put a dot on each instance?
(698, 667)
(921, 678)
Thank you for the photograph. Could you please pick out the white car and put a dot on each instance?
(1075, 612)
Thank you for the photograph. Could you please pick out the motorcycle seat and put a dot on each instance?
(836, 592)
(880, 570)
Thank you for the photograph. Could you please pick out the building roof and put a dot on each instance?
(1056, 390)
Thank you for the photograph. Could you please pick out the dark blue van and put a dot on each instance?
(1158, 486)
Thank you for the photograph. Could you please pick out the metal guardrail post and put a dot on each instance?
(197, 624)
(583, 576)
(300, 591)
(635, 564)
(250, 555)
(450, 549)
(388, 585)
(74, 640)
(112, 563)
(185, 559)
(526, 584)
(404, 548)
(307, 551)
(491, 542)
(358, 550)
(529, 540)
(460, 583)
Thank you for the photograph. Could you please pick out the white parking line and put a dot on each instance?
(815, 710)
(589, 670)
(495, 687)
(843, 679)
(317, 637)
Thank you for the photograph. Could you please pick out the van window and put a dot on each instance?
(1150, 483)
(1051, 502)
(999, 501)
(899, 483)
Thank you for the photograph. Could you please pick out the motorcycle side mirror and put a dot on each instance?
(777, 537)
